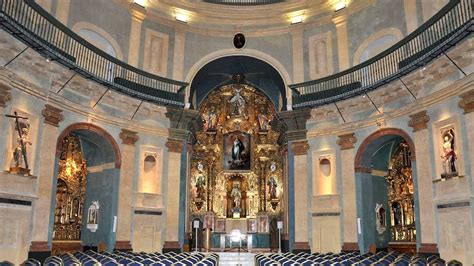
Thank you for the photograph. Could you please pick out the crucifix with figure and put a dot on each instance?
(19, 154)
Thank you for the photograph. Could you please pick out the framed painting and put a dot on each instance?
(220, 226)
(237, 151)
(209, 221)
(262, 225)
(252, 225)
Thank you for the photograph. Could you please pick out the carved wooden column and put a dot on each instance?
(175, 198)
(349, 214)
(424, 179)
(298, 192)
(42, 206)
(125, 208)
(5, 97)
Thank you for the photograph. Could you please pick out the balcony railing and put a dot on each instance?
(243, 2)
(38, 29)
(446, 28)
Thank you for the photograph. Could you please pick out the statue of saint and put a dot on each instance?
(272, 183)
(236, 196)
(22, 140)
(210, 120)
(263, 120)
(237, 101)
(449, 156)
(200, 182)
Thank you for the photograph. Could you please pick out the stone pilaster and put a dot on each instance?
(426, 234)
(349, 217)
(298, 62)
(125, 208)
(180, 119)
(137, 16)
(42, 206)
(294, 128)
(175, 147)
(5, 97)
(62, 11)
(467, 103)
(340, 20)
(411, 16)
(302, 232)
(178, 57)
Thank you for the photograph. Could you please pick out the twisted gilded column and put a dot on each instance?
(349, 214)
(124, 215)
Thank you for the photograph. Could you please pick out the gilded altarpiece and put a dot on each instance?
(400, 195)
(236, 169)
(70, 191)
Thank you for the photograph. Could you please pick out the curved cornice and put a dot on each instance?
(223, 20)
(455, 89)
(90, 115)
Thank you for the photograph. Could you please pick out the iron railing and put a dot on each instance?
(243, 2)
(446, 28)
(38, 29)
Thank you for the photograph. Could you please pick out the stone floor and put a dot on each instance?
(236, 259)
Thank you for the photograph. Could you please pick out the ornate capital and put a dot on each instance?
(174, 145)
(300, 147)
(5, 95)
(52, 115)
(467, 101)
(128, 137)
(419, 121)
(346, 141)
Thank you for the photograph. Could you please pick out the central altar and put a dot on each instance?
(236, 170)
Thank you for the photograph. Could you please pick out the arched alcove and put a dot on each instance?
(386, 191)
(98, 177)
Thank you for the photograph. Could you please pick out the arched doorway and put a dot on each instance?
(85, 199)
(387, 200)
(236, 179)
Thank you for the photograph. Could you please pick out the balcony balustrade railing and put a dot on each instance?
(446, 28)
(26, 20)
